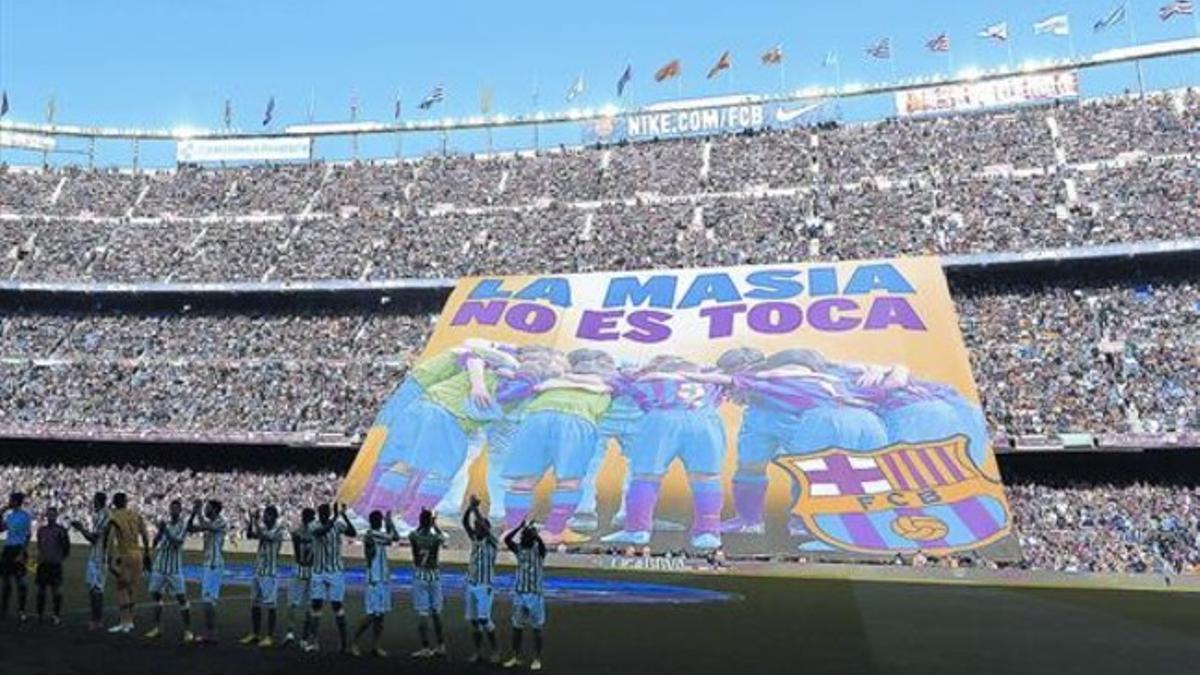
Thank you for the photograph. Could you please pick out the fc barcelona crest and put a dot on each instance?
(899, 499)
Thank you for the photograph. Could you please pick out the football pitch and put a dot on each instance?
(640, 622)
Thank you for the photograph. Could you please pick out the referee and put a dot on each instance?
(16, 523)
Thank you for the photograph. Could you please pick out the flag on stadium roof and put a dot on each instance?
(668, 71)
(3, 103)
(354, 107)
(435, 95)
(724, 62)
(773, 56)
(227, 115)
(830, 60)
(626, 78)
(941, 43)
(270, 112)
(996, 31)
(881, 49)
(1116, 16)
(577, 89)
(398, 109)
(1177, 8)
(51, 108)
(1054, 25)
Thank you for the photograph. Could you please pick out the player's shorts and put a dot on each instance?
(167, 584)
(427, 596)
(329, 586)
(529, 610)
(920, 421)
(620, 429)
(49, 574)
(409, 390)
(392, 418)
(479, 603)
(378, 598)
(12, 561)
(210, 583)
(434, 436)
(299, 591)
(548, 438)
(696, 437)
(94, 575)
(970, 417)
(766, 433)
(264, 591)
(128, 569)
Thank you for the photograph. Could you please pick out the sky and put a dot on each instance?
(134, 63)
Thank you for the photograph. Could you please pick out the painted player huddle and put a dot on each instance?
(538, 409)
(120, 544)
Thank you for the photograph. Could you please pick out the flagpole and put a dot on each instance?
(399, 115)
(782, 72)
(892, 58)
(1133, 39)
(1008, 43)
(536, 140)
(353, 119)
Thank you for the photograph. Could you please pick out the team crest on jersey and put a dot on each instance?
(899, 499)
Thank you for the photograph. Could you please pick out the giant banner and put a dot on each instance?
(823, 409)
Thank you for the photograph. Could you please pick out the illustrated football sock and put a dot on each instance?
(639, 504)
(706, 505)
(562, 506)
(256, 619)
(749, 496)
(517, 505)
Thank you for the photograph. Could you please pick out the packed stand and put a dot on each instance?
(1106, 528)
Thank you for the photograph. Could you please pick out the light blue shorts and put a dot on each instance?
(210, 584)
(329, 586)
(970, 416)
(696, 437)
(622, 430)
(427, 597)
(378, 598)
(767, 433)
(479, 603)
(265, 591)
(921, 421)
(434, 437)
(95, 575)
(167, 584)
(548, 438)
(392, 416)
(299, 591)
(529, 610)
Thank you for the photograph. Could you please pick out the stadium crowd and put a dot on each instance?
(1105, 528)
(1147, 201)
(900, 186)
(1044, 357)
(1095, 528)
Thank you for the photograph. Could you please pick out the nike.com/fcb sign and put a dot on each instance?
(698, 118)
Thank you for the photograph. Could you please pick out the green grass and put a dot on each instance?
(775, 626)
